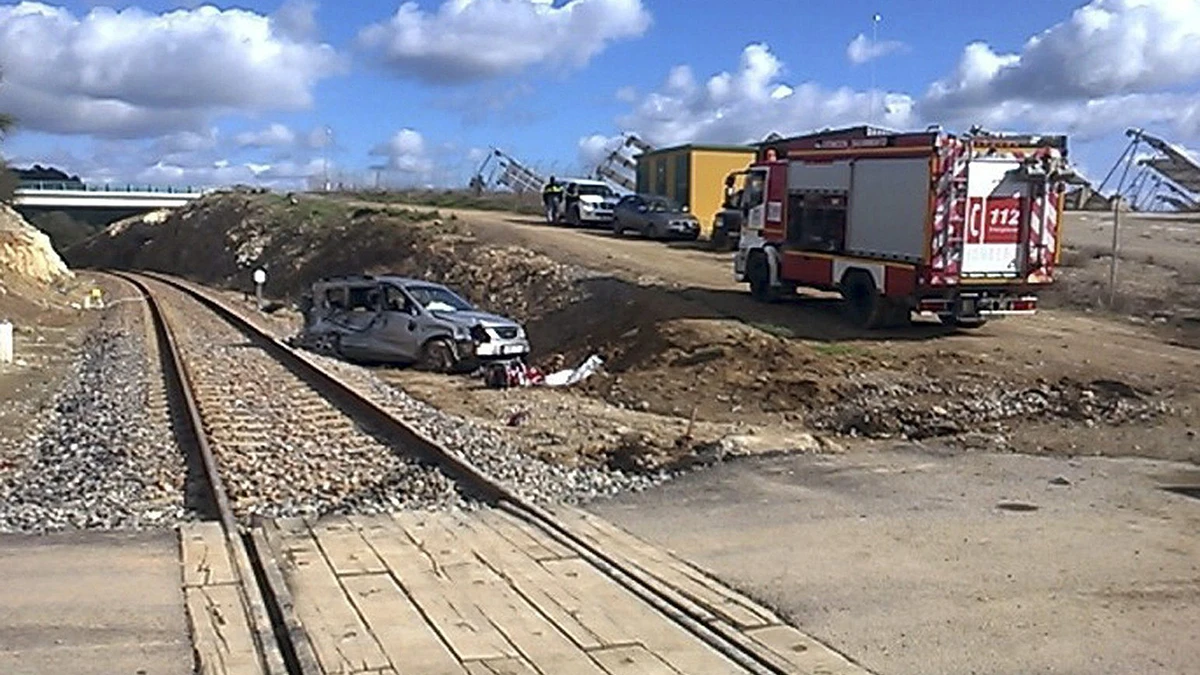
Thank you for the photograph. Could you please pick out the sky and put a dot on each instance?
(414, 93)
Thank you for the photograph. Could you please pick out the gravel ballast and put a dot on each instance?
(282, 449)
(103, 455)
(486, 448)
(529, 477)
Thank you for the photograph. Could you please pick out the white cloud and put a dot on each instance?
(1106, 51)
(746, 104)
(593, 149)
(1110, 65)
(405, 153)
(862, 49)
(274, 136)
(130, 73)
(320, 137)
(468, 40)
(297, 19)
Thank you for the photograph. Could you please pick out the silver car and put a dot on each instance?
(401, 320)
(655, 217)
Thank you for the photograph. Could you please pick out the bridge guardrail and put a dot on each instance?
(35, 186)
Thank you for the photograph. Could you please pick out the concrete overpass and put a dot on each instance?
(48, 196)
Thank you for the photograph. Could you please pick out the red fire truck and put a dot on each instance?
(961, 227)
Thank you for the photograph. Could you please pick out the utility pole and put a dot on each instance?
(1116, 230)
(325, 154)
(875, 19)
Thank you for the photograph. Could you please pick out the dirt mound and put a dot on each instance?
(877, 406)
(718, 370)
(222, 238)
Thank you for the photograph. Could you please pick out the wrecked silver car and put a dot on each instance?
(400, 320)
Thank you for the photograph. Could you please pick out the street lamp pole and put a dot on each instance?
(875, 19)
(325, 154)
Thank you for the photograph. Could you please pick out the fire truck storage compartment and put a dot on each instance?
(817, 195)
(889, 207)
(825, 176)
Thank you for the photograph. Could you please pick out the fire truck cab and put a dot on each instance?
(960, 227)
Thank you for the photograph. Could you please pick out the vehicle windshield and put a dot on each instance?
(662, 205)
(438, 299)
(595, 190)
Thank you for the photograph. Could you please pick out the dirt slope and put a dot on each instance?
(29, 265)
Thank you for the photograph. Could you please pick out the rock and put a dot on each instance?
(1059, 481)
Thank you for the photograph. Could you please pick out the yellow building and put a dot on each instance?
(693, 175)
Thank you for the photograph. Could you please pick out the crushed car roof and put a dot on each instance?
(393, 278)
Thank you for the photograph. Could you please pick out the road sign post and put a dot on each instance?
(260, 278)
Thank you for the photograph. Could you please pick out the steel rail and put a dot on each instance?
(717, 634)
(185, 411)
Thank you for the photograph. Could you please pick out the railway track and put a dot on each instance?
(231, 413)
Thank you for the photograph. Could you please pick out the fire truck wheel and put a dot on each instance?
(760, 279)
(719, 239)
(969, 324)
(896, 314)
(437, 356)
(864, 305)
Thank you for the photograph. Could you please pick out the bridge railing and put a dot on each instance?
(108, 187)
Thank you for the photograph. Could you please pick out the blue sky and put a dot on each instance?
(240, 92)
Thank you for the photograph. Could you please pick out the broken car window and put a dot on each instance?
(364, 298)
(396, 301)
(439, 299)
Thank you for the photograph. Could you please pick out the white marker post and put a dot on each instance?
(6, 342)
(260, 278)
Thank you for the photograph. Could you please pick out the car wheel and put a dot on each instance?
(437, 356)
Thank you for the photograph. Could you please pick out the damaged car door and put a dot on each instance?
(357, 321)
(400, 329)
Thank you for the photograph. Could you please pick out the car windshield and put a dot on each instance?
(595, 190)
(662, 205)
(438, 299)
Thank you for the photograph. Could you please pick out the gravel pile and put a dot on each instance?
(936, 409)
(103, 455)
(531, 478)
(283, 450)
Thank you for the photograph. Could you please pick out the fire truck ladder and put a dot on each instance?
(952, 192)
